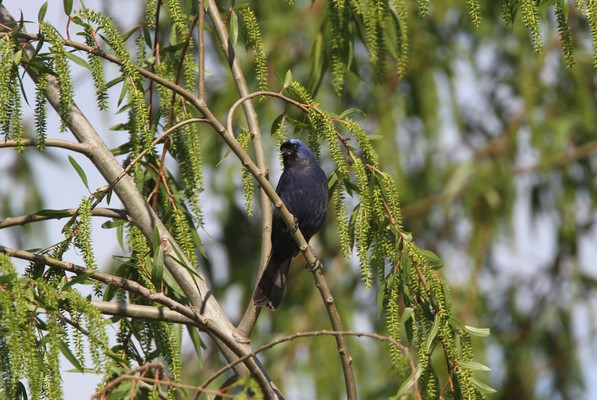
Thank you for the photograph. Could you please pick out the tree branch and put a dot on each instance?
(64, 144)
(26, 219)
(142, 311)
(298, 335)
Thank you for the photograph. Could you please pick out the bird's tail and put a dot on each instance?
(271, 285)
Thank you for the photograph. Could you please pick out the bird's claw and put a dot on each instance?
(314, 267)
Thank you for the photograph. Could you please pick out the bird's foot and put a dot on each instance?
(315, 266)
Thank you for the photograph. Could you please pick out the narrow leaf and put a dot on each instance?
(70, 356)
(53, 213)
(408, 384)
(68, 6)
(113, 224)
(79, 170)
(432, 334)
(475, 366)
(233, 28)
(157, 272)
(482, 386)
(77, 60)
(406, 314)
(196, 339)
(481, 332)
(288, 79)
(432, 259)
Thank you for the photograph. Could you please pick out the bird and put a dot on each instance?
(303, 187)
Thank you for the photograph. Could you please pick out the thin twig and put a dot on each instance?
(109, 386)
(123, 283)
(63, 144)
(298, 335)
(142, 311)
(59, 214)
(260, 93)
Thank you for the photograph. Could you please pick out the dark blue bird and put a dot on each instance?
(303, 188)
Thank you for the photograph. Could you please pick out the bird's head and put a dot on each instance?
(295, 152)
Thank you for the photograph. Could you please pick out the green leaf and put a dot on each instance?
(432, 259)
(480, 332)
(79, 170)
(113, 224)
(288, 79)
(233, 28)
(77, 60)
(157, 272)
(482, 386)
(68, 6)
(349, 111)
(277, 122)
(53, 213)
(70, 356)
(83, 279)
(196, 339)
(380, 297)
(406, 314)
(432, 334)
(408, 384)
(17, 58)
(474, 366)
